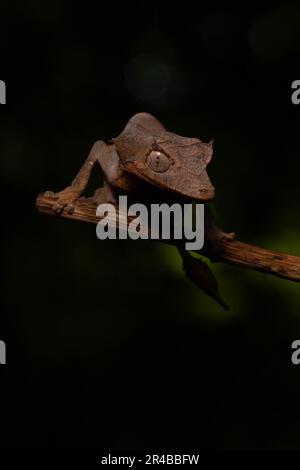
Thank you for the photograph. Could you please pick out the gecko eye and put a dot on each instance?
(158, 161)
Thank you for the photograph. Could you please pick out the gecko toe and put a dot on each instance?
(230, 236)
(49, 194)
(57, 208)
(70, 208)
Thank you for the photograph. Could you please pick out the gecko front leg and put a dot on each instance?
(67, 197)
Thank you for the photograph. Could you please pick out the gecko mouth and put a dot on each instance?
(189, 185)
(206, 194)
(198, 194)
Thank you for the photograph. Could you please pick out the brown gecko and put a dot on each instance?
(146, 156)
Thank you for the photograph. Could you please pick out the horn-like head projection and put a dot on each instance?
(164, 159)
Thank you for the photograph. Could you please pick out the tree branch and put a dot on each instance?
(228, 251)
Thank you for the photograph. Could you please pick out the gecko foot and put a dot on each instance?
(214, 243)
(228, 236)
(64, 199)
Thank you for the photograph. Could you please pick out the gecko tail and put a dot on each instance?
(199, 273)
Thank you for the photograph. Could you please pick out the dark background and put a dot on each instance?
(108, 345)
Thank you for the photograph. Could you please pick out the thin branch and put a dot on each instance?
(229, 251)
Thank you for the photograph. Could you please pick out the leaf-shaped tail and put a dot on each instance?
(198, 272)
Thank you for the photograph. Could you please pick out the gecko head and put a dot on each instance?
(179, 164)
(168, 161)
